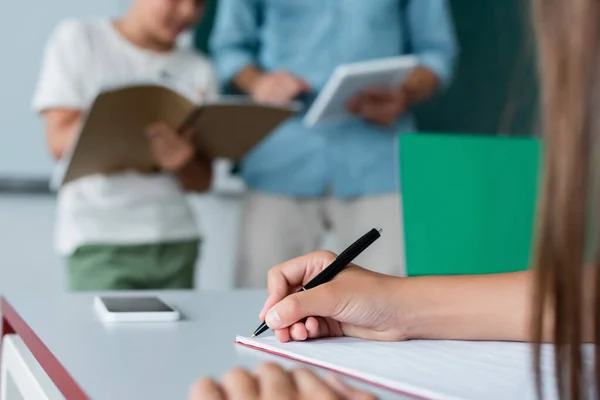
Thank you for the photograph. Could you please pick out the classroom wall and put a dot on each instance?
(24, 29)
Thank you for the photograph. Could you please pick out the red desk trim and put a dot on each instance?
(13, 323)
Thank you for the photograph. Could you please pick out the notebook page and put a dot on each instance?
(427, 369)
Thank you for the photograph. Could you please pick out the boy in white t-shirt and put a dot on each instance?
(127, 230)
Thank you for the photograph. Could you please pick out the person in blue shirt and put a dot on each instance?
(303, 181)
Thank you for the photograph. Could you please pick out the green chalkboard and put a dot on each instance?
(468, 202)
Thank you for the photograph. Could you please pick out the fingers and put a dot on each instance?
(295, 307)
(379, 94)
(171, 151)
(160, 129)
(318, 327)
(298, 332)
(206, 389)
(289, 86)
(281, 281)
(346, 392)
(275, 383)
(305, 86)
(384, 114)
(310, 386)
(288, 277)
(161, 135)
(271, 382)
(292, 85)
(354, 105)
(187, 134)
(380, 106)
(283, 335)
(238, 384)
(155, 129)
(312, 328)
(279, 88)
(163, 146)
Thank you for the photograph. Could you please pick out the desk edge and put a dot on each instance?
(12, 322)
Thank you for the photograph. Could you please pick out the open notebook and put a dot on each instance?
(426, 369)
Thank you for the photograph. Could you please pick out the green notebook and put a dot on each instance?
(469, 202)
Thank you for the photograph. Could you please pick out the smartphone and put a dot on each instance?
(134, 309)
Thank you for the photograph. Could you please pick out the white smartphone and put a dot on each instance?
(134, 309)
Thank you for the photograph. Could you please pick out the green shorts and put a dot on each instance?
(136, 267)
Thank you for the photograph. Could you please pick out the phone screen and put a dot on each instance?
(135, 304)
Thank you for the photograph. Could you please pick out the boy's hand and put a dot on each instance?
(172, 151)
(379, 106)
(278, 88)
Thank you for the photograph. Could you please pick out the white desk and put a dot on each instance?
(85, 358)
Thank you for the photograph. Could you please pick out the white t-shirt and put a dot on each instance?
(82, 59)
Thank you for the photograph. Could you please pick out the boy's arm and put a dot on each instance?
(61, 126)
(60, 91)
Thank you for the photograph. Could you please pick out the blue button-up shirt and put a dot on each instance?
(310, 38)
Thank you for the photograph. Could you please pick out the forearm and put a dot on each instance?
(420, 85)
(196, 175)
(484, 307)
(246, 79)
(61, 128)
(58, 143)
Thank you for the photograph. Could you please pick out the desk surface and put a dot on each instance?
(146, 361)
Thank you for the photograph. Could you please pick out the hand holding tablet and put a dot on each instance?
(348, 80)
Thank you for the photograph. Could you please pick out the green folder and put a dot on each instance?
(468, 202)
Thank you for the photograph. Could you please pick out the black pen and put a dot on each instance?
(340, 262)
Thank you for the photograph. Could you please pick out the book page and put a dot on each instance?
(427, 369)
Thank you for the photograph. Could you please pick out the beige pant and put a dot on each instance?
(276, 229)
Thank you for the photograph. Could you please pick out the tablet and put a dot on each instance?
(134, 309)
(349, 79)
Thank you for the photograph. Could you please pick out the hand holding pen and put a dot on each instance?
(311, 273)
